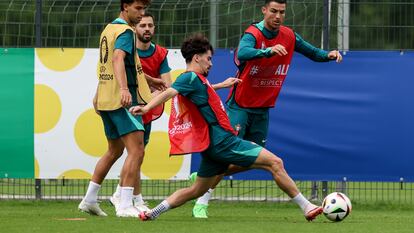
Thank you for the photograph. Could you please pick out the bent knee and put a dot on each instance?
(197, 191)
(277, 164)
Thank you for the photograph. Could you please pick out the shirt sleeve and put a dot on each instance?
(247, 51)
(310, 51)
(187, 83)
(164, 67)
(125, 42)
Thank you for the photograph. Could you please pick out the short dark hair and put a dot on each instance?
(148, 14)
(145, 2)
(278, 1)
(195, 44)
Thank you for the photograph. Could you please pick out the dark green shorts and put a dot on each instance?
(147, 133)
(251, 126)
(233, 150)
(120, 122)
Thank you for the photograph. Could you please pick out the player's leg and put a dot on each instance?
(147, 133)
(240, 121)
(135, 147)
(258, 131)
(200, 209)
(248, 154)
(179, 197)
(207, 176)
(272, 163)
(131, 130)
(89, 203)
(137, 198)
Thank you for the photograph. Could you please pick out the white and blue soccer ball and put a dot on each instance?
(336, 206)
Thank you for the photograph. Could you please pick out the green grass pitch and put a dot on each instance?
(225, 217)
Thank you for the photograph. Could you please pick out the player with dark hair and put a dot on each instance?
(220, 147)
(263, 58)
(122, 84)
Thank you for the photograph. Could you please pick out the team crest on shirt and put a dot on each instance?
(103, 52)
(237, 127)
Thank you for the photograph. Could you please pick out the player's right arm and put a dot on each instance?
(186, 84)
(124, 45)
(157, 100)
(247, 51)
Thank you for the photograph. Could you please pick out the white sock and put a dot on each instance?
(159, 209)
(117, 192)
(301, 201)
(138, 199)
(126, 197)
(91, 195)
(203, 200)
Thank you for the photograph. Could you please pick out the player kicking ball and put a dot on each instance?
(205, 115)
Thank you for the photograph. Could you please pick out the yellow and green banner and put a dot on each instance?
(16, 117)
(48, 126)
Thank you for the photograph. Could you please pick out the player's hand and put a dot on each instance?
(126, 98)
(156, 83)
(335, 55)
(138, 110)
(279, 50)
(230, 82)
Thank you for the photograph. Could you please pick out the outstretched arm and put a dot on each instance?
(313, 53)
(226, 83)
(159, 99)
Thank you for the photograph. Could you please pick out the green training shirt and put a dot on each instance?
(190, 86)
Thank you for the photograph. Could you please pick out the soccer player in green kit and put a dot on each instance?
(154, 63)
(263, 58)
(223, 147)
(120, 80)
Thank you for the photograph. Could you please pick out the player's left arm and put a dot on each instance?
(229, 82)
(156, 83)
(313, 53)
(165, 76)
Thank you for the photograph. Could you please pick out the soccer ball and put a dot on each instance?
(336, 206)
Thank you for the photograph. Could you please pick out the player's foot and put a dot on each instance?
(142, 207)
(200, 211)
(312, 211)
(129, 212)
(115, 201)
(91, 208)
(192, 178)
(145, 216)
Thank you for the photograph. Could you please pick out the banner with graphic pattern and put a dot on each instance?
(49, 128)
(349, 121)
